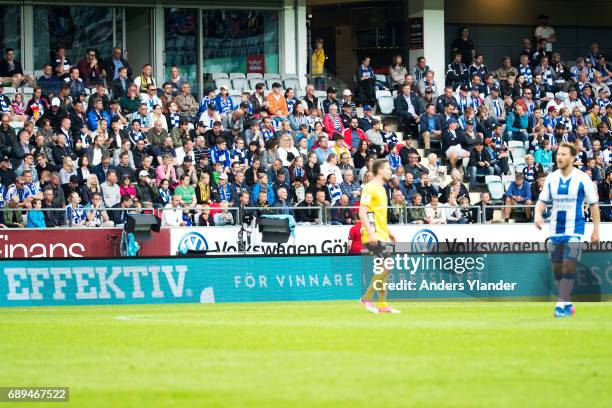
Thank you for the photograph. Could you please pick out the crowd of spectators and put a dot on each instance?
(131, 145)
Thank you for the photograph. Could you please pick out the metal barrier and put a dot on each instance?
(324, 215)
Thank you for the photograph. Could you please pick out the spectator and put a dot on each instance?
(11, 70)
(277, 104)
(90, 69)
(110, 189)
(224, 217)
(113, 66)
(333, 122)
(54, 215)
(13, 217)
(518, 193)
(430, 127)
(365, 83)
(397, 72)
(419, 70)
(145, 79)
(36, 218)
(119, 212)
(407, 109)
(319, 59)
(545, 32)
(479, 164)
(517, 123)
(505, 69)
(451, 144)
(436, 174)
(428, 83)
(464, 46)
(433, 213)
(375, 138)
(456, 71)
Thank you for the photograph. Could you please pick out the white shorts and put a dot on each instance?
(457, 149)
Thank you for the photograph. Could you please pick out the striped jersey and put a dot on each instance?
(567, 196)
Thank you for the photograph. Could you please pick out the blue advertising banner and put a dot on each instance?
(258, 279)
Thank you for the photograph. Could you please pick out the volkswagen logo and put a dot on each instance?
(425, 241)
(192, 241)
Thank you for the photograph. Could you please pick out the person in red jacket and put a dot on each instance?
(354, 239)
(332, 122)
(353, 135)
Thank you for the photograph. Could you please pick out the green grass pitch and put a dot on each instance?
(311, 354)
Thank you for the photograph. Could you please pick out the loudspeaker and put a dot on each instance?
(274, 230)
(141, 226)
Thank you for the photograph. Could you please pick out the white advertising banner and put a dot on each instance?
(334, 239)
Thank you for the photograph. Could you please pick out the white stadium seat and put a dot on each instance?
(253, 75)
(385, 102)
(223, 82)
(291, 83)
(269, 75)
(254, 81)
(219, 75)
(237, 75)
(240, 83)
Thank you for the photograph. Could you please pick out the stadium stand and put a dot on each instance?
(95, 150)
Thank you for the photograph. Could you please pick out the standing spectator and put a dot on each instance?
(365, 82)
(464, 45)
(317, 69)
(545, 32)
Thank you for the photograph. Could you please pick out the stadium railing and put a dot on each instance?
(325, 215)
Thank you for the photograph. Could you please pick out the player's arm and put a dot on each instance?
(593, 198)
(543, 199)
(363, 216)
(596, 217)
(538, 217)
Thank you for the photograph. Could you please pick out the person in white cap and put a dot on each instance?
(347, 97)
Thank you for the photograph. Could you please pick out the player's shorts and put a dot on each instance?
(565, 248)
(382, 249)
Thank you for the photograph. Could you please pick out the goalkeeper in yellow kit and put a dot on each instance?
(375, 232)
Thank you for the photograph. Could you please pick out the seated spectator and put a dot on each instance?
(419, 70)
(397, 72)
(453, 213)
(451, 144)
(407, 108)
(479, 164)
(434, 213)
(186, 191)
(145, 79)
(518, 193)
(429, 85)
(90, 69)
(114, 65)
(277, 104)
(430, 127)
(398, 212)
(49, 83)
(435, 172)
(11, 71)
(332, 122)
(36, 218)
(306, 211)
(375, 138)
(517, 123)
(456, 72)
(13, 217)
(54, 214)
(224, 217)
(416, 213)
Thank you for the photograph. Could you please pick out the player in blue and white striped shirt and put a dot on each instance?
(567, 189)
